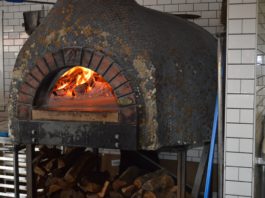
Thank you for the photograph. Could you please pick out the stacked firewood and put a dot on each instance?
(74, 173)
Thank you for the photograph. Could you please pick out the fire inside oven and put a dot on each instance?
(81, 89)
(76, 94)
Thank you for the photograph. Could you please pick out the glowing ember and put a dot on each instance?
(80, 81)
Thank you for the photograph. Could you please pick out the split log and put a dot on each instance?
(60, 92)
(56, 184)
(138, 182)
(96, 177)
(92, 196)
(69, 157)
(54, 195)
(138, 194)
(169, 193)
(50, 152)
(49, 165)
(114, 194)
(38, 158)
(91, 187)
(71, 193)
(38, 170)
(76, 170)
(81, 89)
(104, 190)
(158, 183)
(166, 194)
(174, 189)
(149, 194)
(126, 178)
(40, 181)
(128, 190)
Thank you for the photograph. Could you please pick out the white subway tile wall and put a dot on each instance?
(240, 99)
(14, 35)
(2, 102)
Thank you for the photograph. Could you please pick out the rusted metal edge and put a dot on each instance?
(82, 134)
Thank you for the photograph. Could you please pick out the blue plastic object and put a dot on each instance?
(211, 154)
(16, 1)
(3, 134)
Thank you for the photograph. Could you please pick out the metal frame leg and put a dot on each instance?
(16, 170)
(31, 187)
(181, 176)
(200, 171)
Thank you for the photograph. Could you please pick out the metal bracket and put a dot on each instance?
(260, 161)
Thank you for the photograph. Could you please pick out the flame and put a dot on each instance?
(80, 81)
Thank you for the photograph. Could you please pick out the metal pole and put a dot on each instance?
(200, 171)
(31, 186)
(262, 194)
(16, 171)
(211, 154)
(220, 119)
(181, 173)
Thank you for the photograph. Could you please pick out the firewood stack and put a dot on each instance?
(74, 174)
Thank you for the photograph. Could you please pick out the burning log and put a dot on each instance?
(81, 89)
(79, 81)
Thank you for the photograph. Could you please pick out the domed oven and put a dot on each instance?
(113, 74)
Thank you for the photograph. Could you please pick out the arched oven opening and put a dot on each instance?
(74, 89)
(84, 100)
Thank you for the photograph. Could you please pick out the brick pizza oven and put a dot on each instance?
(158, 74)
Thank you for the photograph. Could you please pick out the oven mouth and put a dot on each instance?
(76, 93)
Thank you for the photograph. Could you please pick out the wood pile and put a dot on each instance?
(74, 173)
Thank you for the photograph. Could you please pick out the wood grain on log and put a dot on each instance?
(126, 178)
(139, 181)
(158, 183)
(114, 194)
(75, 116)
(76, 170)
(71, 193)
(149, 194)
(128, 190)
(104, 190)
